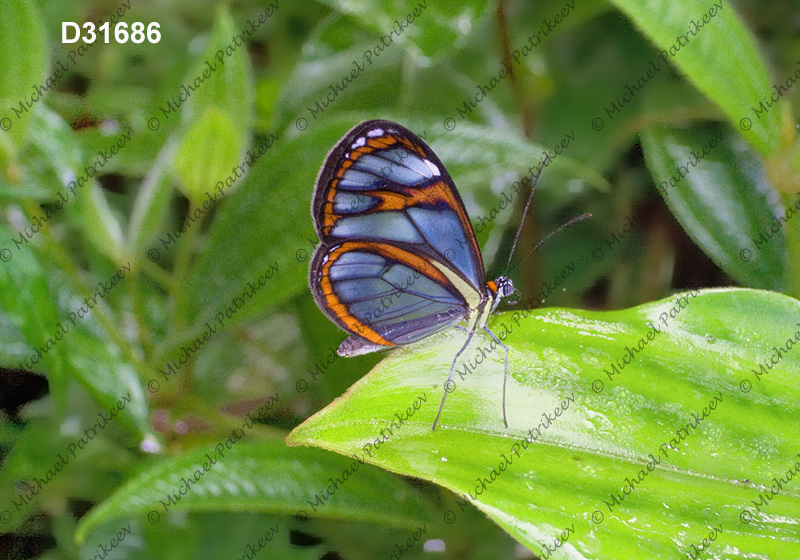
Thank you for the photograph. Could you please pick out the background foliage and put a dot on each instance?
(642, 244)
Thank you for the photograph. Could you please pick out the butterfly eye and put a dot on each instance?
(505, 287)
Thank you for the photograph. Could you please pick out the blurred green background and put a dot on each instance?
(640, 244)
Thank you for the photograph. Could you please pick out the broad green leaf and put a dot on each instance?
(23, 68)
(262, 477)
(209, 150)
(475, 154)
(265, 224)
(718, 54)
(40, 304)
(435, 28)
(29, 309)
(333, 82)
(723, 200)
(30, 458)
(593, 397)
(69, 463)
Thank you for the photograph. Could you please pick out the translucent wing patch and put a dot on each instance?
(384, 295)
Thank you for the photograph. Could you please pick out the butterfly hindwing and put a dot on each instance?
(382, 294)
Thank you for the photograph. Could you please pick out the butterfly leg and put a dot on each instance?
(505, 372)
(450, 377)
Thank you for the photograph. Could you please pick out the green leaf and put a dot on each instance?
(99, 223)
(32, 455)
(728, 186)
(219, 112)
(592, 417)
(152, 201)
(208, 152)
(720, 41)
(36, 300)
(23, 68)
(50, 160)
(51, 156)
(476, 154)
(230, 87)
(69, 463)
(435, 28)
(28, 305)
(263, 477)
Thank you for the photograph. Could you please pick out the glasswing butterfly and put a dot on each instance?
(398, 259)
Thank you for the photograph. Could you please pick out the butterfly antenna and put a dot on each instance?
(525, 213)
(564, 226)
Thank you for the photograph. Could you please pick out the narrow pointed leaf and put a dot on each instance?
(22, 37)
(698, 36)
(722, 200)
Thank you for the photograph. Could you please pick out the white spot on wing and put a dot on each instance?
(358, 143)
(375, 132)
(432, 167)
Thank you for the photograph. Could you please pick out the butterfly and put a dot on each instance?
(398, 259)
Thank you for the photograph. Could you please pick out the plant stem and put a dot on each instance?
(187, 248)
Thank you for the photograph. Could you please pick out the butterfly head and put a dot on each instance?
(501, 287)
(504, 286)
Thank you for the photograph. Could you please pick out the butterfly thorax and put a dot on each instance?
(495, 291)
(500, 288)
